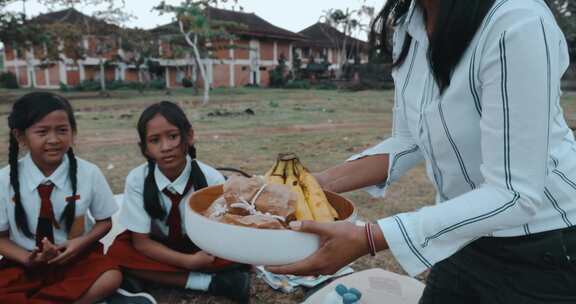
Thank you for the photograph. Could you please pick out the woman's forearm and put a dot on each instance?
(357, 174)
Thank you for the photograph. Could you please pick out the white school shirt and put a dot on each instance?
(95, 197)
(496, 145)
(133, 215)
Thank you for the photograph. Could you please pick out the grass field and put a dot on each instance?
(246, 129)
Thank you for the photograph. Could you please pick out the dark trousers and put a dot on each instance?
(534, 269)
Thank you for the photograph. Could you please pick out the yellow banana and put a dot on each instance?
(315, 197)
(283, 173)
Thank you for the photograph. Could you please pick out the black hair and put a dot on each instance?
(175, 116)
(456, 24)
(26, 111)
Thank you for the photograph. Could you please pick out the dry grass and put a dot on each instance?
(322, 127)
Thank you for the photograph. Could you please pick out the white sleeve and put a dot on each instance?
(103, 204)
(215, 178)
(520, 67)
(403, 151)
(133, 215)
(4, 199)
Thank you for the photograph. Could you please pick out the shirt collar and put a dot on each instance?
(35, 177)
(179, 184)
(415, 24)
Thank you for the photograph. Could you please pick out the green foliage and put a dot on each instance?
(8, 80)
(157, 84)
(64, 87)
(273, 104)
(296, 65)
(279, 75)
(187, 82)
(326, 85)
(298, 84)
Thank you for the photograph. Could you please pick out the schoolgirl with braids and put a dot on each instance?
(50, 246)
(155, 246)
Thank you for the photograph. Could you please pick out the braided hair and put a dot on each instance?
(175, 116)
(26, 111)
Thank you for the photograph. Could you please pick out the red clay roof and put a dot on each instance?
(326, 36)
(89, 25)
(250, 25)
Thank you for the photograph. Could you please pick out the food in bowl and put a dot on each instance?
(243, 221)
(287, 192)
(252, 202)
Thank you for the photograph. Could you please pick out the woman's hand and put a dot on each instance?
(340, 244)
(198, 260)
(69, 250)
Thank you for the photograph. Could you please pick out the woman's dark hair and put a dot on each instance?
(456, 24)
(175, 116)
(26, 111)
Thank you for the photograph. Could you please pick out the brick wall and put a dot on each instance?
(266, 50)
(242, 75)
(221, 75)
(284, 48)
(242, 52)
(54, 72)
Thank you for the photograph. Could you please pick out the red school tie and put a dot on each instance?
(46, 219)
(174, 221)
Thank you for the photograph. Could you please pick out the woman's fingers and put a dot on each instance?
(320, 229)
(308, 266)
(340, 244)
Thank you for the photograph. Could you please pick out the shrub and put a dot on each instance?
(88, 85)
(326, 85)
(157, 84)
(64, 87)
(187, 82)
(8, 80)
(298, 84)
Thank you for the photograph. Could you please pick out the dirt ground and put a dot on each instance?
(246, 129)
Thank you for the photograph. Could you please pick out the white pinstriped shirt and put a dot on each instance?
(496, 145)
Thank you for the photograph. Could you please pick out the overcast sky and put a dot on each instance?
(293, 15)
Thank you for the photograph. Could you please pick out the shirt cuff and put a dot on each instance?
(135, 228)
(402, 246)
(108, 214)
(390, 146)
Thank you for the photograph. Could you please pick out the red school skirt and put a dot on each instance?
(53, 284)
(124, 253)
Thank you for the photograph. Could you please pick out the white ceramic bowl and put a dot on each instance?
(251, 245)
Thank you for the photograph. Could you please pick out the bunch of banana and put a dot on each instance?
(312, 204)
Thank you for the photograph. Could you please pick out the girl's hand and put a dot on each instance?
(37, 257)
(34, 259)
(49, 250)
(340, 244)
(199, 260)
(69, 250)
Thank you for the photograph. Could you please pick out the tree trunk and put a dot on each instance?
(102, 77)
(194, 46)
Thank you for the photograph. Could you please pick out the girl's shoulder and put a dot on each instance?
(5, 175)
(213, 176)
(138, 174)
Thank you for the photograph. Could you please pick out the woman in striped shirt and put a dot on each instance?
(478, 99)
